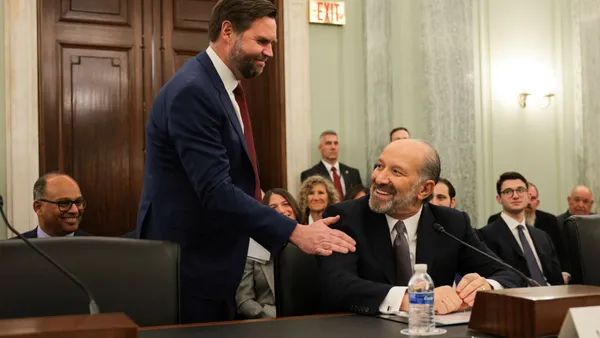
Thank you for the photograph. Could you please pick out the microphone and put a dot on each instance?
(94, 310)
(529, 281)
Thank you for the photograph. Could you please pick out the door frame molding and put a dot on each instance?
(21, 108)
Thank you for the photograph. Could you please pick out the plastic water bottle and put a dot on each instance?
(421, 314)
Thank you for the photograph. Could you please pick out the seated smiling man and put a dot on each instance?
(59, 205)
(393, 228)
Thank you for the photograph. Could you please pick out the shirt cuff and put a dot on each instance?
(495, 285)
(393, 300)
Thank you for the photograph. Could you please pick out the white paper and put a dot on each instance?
(455, 318)
(258, 253)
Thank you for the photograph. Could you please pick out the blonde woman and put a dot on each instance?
(316, 194)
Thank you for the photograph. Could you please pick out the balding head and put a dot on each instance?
(406, 173)
(580, 201)
(58, 203)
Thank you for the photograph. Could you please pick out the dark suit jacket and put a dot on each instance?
(351, 175)
(360, 281)
(33, 233)
(547, 222)
(498, 237)
(198, 190)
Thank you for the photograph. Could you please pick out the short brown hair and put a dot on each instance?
(241, 14)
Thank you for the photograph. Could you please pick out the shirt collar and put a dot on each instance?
(329, 166)
(42, 234)
(411, 224)
(511, 222)
(226, 75)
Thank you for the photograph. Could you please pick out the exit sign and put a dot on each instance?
(327, 12)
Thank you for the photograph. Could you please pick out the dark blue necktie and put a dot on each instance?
(534, 269)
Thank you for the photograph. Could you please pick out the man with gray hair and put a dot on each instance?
(394, 230)
(343, 177)
(59, 205)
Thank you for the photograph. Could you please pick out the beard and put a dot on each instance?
(245, 63)
(529, 217)
(398, 201)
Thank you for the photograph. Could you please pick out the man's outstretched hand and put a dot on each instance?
(318, 239)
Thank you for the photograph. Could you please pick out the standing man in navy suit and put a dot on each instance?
(201, 184)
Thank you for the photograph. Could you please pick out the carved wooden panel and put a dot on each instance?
(192, 14)
(91, 105)
(184, 28)
(98, 133)
(93, 11)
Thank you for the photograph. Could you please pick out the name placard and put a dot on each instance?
(327, 12)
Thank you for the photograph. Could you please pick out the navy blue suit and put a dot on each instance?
(198, 190)
(33, 233)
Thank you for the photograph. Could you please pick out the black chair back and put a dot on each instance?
(297, 291)
(582, 236)
(137, 277)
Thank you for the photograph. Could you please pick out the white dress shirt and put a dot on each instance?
(42, 234)
(229, 80)
(337, 167)
(513, 225)
(393, 300)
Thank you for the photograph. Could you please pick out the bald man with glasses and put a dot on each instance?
(59, 205)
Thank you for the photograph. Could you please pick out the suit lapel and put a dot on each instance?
(224, 97)
(426, 238)
(267, 270)
(378, 236)
(321, 170)
(345, 173)
(508, 237)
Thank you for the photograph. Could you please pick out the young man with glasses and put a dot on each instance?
(524, 247)
(59, 205)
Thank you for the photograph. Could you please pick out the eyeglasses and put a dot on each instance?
(65, 205)
(510, 191)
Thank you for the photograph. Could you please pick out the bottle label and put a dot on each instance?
(421, 298)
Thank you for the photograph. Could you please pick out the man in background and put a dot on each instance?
(444, 194)
(580, 203)
(59, 206)
(543, 221)
(528, 249)
(399, 133)
(343, 177)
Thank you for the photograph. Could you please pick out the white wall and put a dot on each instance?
(521, 49)
(516, 45)
(337, 86)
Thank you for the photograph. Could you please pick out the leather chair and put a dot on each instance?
(582, 236)
(137, 277)
(297, 291)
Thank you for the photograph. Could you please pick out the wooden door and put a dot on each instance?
(184, 33)
(91, 104)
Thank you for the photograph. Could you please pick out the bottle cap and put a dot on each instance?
(420, 267)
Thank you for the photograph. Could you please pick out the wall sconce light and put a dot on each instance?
(522, 99)
(548, 98)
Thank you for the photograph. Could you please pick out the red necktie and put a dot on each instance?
(337, 182)
(240, 98)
